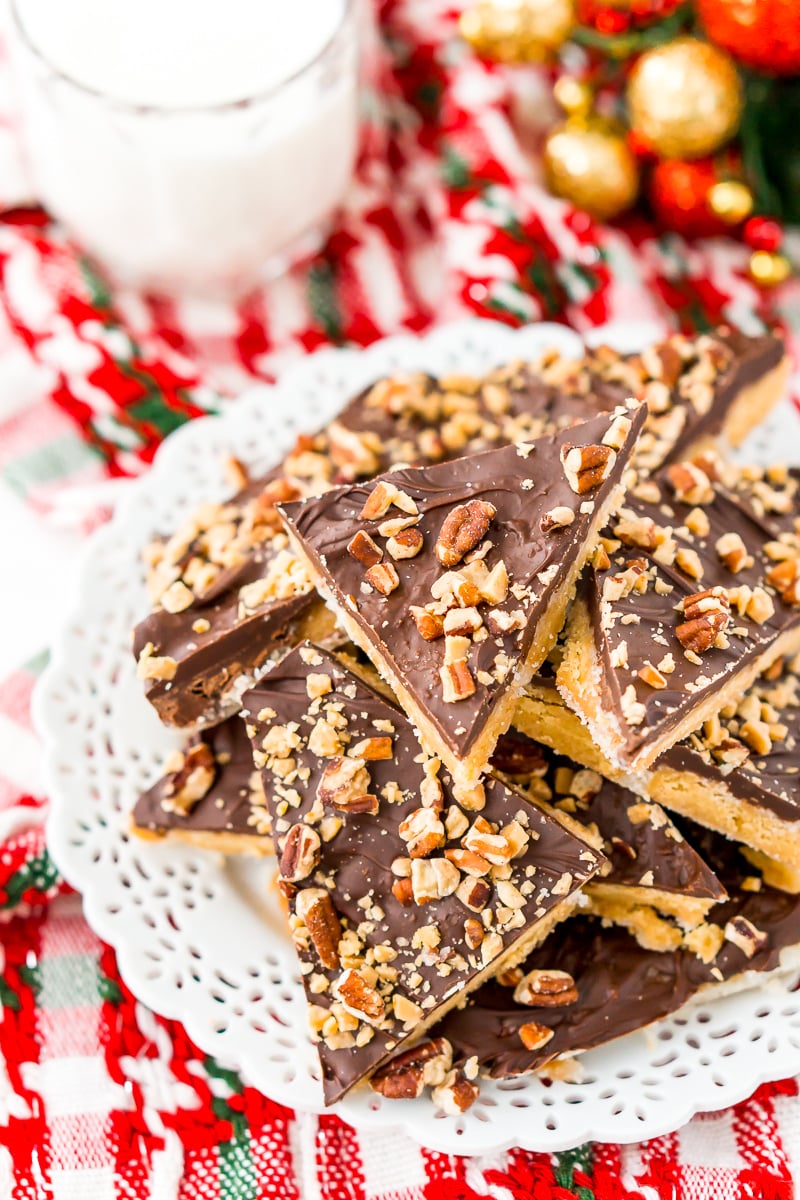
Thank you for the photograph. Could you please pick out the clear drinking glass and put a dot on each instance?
(206, 199)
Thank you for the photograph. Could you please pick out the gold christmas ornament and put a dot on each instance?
(573, 96)
(731, 200)
(517, 31)
(768, 268)
(591, 165)
(685, 98)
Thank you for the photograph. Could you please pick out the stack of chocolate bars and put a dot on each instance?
(449, 663)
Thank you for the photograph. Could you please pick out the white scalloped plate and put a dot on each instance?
(200, 938)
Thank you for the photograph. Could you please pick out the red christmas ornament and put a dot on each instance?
(764, 34)
(762, 233)
(679, 196)
(612, 17)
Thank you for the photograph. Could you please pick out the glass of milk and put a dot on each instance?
(190, 146)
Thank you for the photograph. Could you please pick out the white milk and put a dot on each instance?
(192, 145)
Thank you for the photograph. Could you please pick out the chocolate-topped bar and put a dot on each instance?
(653, 872)
(740, 773)
(227, 595)
(685, 611)
(210, 795)
(695, 388)
(454, 579)
(587, 985)
(400, 901)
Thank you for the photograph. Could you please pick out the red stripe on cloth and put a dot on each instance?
(339, 1167)
(759, 1142)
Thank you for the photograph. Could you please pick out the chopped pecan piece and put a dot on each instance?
(315, 909)
(733, 552)
(745, 935)
(193, 779)
(403, 892)
(690, 483)
(429, 625)
(463, 529)
(383, 578)
(533, 1036)
(362, 548)
(404, 1077)
(358, 997)
(423, 832)
(300, 853)
(546, 989)
(372, 749)
(433, 879)
(707, 615)
(345, 782)
(474, 933)
(556, 518)
(455, 1095)
(586, 467)
(405, 544)
(457, 681)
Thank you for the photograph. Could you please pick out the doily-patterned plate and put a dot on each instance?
(201, 939)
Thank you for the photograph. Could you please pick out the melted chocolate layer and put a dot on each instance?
(523, 484)
(644, 847)
(422, 940)
(621, 987)
(234, 803)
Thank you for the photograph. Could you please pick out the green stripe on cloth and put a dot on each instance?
(59, 459)
(565, 1165)
(35, 665)
(237, 1170)
(69, 981)
(39, 873)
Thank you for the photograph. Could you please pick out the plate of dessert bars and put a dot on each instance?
(424, 735)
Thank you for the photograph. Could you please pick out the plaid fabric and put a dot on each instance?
(98, 1096)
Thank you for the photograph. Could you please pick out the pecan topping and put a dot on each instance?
(193, 779)
(362, 548)
(533, 1036)
(374, 748)
(587, 466)
(300, 853)
(345, 783)
(430, 626)
(733, 552)
(474, 893)
(690, 483)
(455, 1095)
(381, 499)
(383, 578)
(556, 518)
(423, 832)
(463, 529)
(473, 933)
(546, 989)
(405, 544)
(404, 1077)
(745, 935)
(433, 879)
(315, 909)
(707, 615)
(358, 997)
(457, 681)
(402, 891)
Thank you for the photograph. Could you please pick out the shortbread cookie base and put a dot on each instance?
(711, 803)
(775, 844)
(755, 402)
(579, 680)
(217, 843)
(688, 911)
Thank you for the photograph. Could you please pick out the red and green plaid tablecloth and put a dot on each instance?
(100, 1098)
